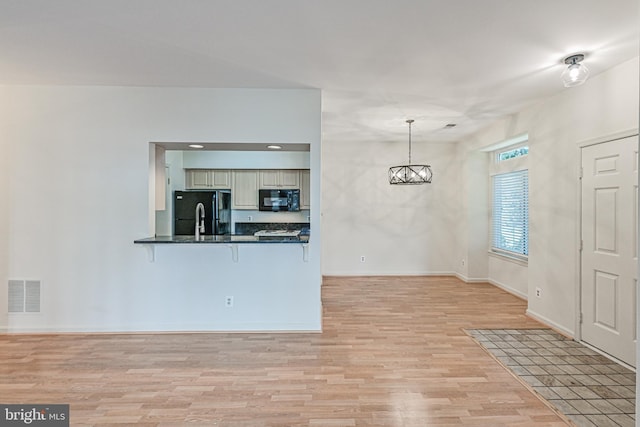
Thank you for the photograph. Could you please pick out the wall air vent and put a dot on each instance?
(16, 296)
(32, 296)
(24, 296)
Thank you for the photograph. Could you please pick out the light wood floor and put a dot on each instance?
(393, 353)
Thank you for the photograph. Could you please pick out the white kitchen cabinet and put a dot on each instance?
(221, 179)
(216, 179)
(196, 178)
(244, 189)
(305, 189)
(280, 178)
(290, 179)
(270, 179)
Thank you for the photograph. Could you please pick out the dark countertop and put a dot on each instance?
(252, 227)
(222, 239)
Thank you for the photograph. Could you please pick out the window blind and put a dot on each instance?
(510, 216)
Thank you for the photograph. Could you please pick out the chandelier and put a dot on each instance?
(410, 174)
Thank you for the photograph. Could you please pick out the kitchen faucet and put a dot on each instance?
(199, 220)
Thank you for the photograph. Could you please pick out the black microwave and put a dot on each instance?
(279, 200)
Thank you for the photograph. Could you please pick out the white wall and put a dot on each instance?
(79, 195)
(605, 105)
(5, 155)
(399, 229)
(164, 218)
(238, 215)
(510, 275)
(473, 226)
(246, 159)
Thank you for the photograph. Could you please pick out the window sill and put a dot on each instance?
(510, 258)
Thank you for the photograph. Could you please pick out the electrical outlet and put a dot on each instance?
(250, 218)
(538, 292)
(362, 258)
(462, 262)
(228, 301)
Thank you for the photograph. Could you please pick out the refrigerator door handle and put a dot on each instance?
(216, 206)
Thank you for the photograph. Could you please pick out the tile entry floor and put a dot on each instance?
(586, 387)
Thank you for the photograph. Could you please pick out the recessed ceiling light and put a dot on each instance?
(274, 147)
(196, 146)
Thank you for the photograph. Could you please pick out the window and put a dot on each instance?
(510, 215)
(515, 152)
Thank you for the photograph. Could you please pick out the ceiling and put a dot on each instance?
(378, 62)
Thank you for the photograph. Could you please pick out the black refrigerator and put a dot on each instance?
(217, 212)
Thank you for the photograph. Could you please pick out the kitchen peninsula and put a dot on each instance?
(229, 240)
(245, 233)
(235, 226)
(224, 239)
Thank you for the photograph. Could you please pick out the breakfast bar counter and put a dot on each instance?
(232, 241)
(224, 239)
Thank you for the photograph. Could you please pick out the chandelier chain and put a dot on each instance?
(410, 121)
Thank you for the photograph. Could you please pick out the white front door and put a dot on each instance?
(609, 255)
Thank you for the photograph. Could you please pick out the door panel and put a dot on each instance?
(606, 290)
(609, 256)
(605, 227)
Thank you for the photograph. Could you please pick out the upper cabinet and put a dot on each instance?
(244, 184)
(305, 189)
(244, 192)
(215, 179)
(280, 179)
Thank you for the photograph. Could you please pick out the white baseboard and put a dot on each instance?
(509, 289)
(550, 323)
(167, 328)
(471, 279)
(388, 273)
(413, 274)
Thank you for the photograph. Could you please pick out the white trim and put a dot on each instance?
(457, 275)
(608, 356)
(509, 289)
(550, 323)
(516, 293)
(31, 331)
(222, 327)
(522, 260)
(471, 279)
(608, 138)
(518, 139)
(578, 285)
(387, 273)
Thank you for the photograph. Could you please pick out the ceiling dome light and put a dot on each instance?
(576, 73)
(410, 174)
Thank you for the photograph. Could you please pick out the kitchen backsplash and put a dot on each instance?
(261, 216)
(248, 228)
